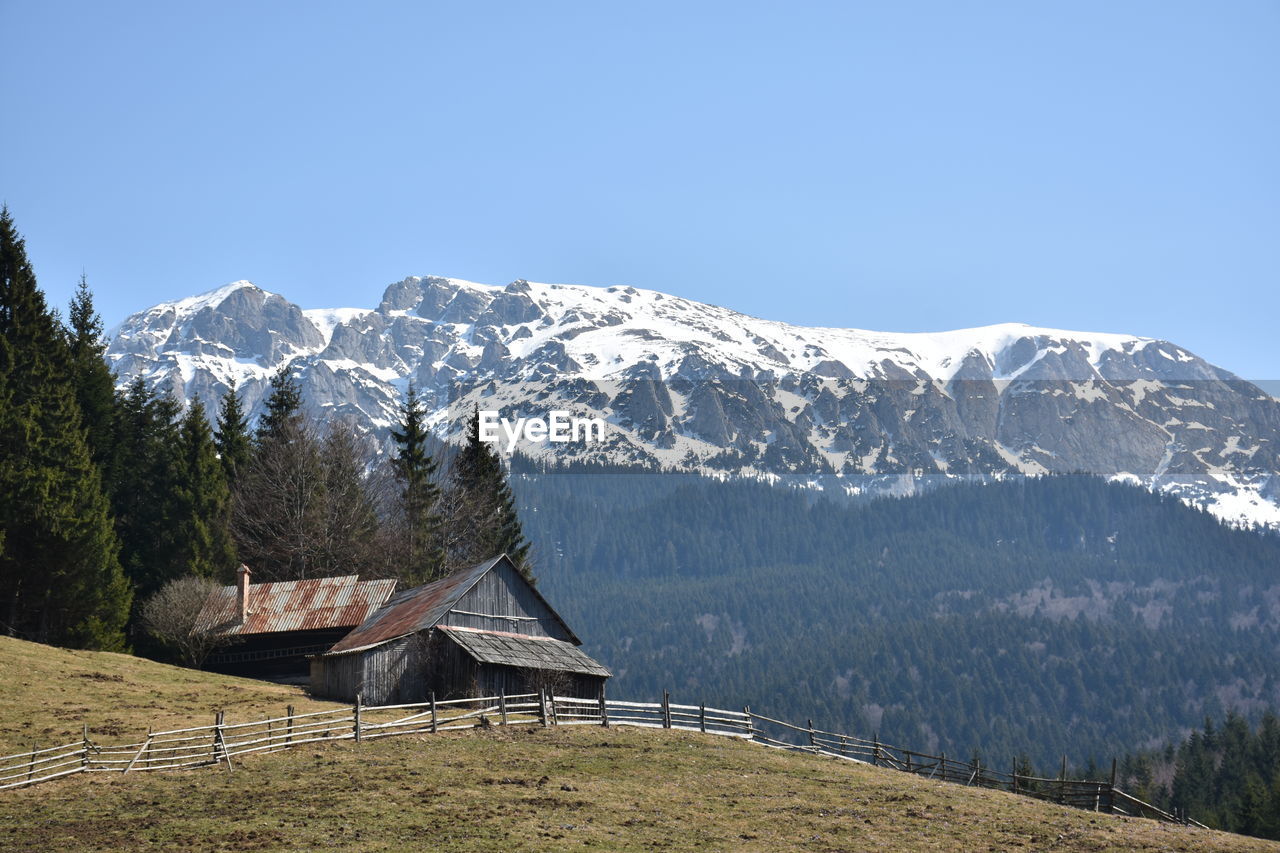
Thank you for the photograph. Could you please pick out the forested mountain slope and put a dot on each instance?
(1037, 616)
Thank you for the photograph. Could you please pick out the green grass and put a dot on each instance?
(511, 789)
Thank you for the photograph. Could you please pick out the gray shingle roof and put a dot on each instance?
(523, 651)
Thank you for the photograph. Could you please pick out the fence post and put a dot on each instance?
(84, 760)
(1013, 775)
(844, 745)
(666, 710)
(542, 706)
(604, 711)
(702, 717)
(31, 767)
(142, 750)
(551, 707)
(942, 762)
(356, 713)
(219, 740)
(746, 715)
(907, 755)
(875, 749)
(812, 743)
(434, 725)
(288, 737)
(1062, 780)
(502, 704)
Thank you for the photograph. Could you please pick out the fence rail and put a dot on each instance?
(218, 744)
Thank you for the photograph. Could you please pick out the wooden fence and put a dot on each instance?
(218, 744)
(1084, 794)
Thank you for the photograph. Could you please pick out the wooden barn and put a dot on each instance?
(478, 632)
(273, 627)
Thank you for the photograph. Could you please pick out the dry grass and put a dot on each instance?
(559, 789)
(48, 693)
(513, 789)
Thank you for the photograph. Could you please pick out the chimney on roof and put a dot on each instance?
(242, 587)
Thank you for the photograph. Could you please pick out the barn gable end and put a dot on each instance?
(501, 600)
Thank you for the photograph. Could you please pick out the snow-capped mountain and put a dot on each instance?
(689, 386)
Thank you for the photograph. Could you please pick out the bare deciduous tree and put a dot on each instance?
(304, 508)
(279, 506)
(171, 616)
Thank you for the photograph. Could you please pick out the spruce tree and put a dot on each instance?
(232, 436)
(60, 575)
(144, 497)
(423, 558)
(202, 517)
(485, 508)
(283, 408)
(93, 380)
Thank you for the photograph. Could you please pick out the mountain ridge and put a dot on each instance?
(694, 387)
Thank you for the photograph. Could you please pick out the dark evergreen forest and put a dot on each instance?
(1035, 617)
(1226, 775)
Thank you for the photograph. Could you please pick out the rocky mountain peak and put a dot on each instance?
(698, 387)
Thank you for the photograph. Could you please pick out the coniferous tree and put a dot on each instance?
(484, 509)
(418, 498)
(202, 517)
(60, 576)
(283, 409)
(232, 435)
(144, 494)
(93, 380)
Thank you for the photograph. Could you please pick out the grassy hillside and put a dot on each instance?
(48, 693)
(535, 789)
(510, 789)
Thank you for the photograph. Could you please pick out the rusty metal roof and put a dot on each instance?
(414, 609)
(295, 605)
(500, 647)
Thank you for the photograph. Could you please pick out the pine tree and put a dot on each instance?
(419, 496)
(145, 489)
(283, 408)
(232, 436)
(93, 380)
(202, 517)
(485, 509)
(60, 574)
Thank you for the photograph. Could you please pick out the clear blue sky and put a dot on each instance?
(905, 166)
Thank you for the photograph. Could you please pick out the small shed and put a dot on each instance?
(479, 632)
(273, 627)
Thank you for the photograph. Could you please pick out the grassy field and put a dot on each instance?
(513, 789)
(49, 693)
